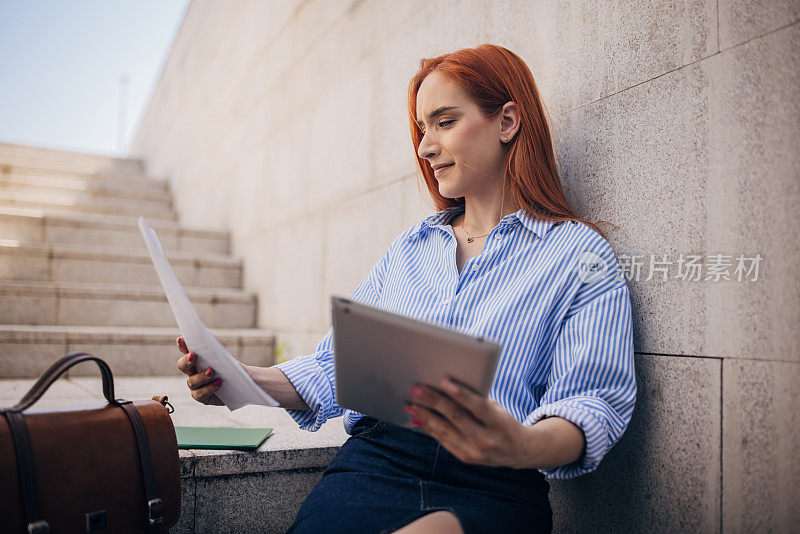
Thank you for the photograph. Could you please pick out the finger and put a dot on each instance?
(182, 345)
(470, 401)
(450, 409)
(437, 426)
(205, 393)
(188, 364)
(198, 380)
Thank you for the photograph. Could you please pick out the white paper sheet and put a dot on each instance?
(237, 389)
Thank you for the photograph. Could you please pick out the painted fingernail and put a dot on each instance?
(415, 422)
(209, 372)
(217, 382)
(410, 409)
(190, 357)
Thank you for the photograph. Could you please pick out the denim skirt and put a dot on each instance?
(386, 476)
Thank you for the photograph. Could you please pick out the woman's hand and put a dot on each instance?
(475, 429)
(202, 384)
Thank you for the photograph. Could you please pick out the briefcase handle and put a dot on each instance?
(60, 367)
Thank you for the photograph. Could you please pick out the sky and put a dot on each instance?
(61, 66)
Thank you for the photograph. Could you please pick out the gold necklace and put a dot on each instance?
(470, 237)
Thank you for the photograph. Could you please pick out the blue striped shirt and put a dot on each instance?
(551, 294)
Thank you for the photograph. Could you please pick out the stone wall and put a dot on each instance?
(285, 123)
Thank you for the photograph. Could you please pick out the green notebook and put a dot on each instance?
(195, 437)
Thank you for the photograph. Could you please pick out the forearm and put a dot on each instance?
(278, 386)
(553, 442)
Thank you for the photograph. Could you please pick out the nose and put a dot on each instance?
(427, 149)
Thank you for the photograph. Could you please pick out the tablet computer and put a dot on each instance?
(379, 355)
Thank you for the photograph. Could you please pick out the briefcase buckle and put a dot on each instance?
(39, 527)
(155, 510)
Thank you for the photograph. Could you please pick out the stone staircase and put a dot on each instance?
(75, 274)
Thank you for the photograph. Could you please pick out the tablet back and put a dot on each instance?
(379, 355)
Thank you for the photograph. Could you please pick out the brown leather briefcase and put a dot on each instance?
(106, 468)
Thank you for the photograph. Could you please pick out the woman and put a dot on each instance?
(505, 258)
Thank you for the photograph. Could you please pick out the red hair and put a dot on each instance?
(491, 76)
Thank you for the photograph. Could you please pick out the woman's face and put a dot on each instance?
(461, 136)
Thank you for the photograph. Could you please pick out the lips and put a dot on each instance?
(442, 168)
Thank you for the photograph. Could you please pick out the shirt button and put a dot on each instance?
(498, 236)
(474, 267)
(446, 301)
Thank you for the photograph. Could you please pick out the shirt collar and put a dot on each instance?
(537, 226)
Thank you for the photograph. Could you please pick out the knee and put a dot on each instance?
(440, 521)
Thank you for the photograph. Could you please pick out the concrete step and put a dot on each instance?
(68, 198)
(50, 203)
(91, 304)
(30, 157)
(106, 230)
(79, 263)
(17, 185)
(144, 187)
(27, 351)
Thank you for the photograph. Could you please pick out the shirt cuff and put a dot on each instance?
(594, 429)
(311, 382)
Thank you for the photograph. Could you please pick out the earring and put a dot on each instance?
(504, 139)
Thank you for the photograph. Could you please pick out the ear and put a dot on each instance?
(509, 121)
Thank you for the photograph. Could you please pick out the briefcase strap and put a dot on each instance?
(155, 507)
(30, 494)
(60, 367)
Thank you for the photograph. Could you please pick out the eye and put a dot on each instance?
(446, 122)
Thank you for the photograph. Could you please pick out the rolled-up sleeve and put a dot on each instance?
(592, 382)
(312, 375)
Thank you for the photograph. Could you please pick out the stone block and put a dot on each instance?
(88, 311)
(129, 359)
(417, 202)
(210, 276)
(56, 206)
(753, 195)
(19, 225)
(742, 20)
(361, 242)
(39, 158)
(25, 360)
(264, 502)
(19, 264)
(663, 475)
(291, 269)
(28, 309)
(613, 168)
(185, 524)
(98, 236)
(261, 354)
(233, 315)
(69, 269)
(579, 53)
(667, 162)
(339, 167)
(293, 343)
(201, 243)
(187, 460)
(760, 459)
(218, 463)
